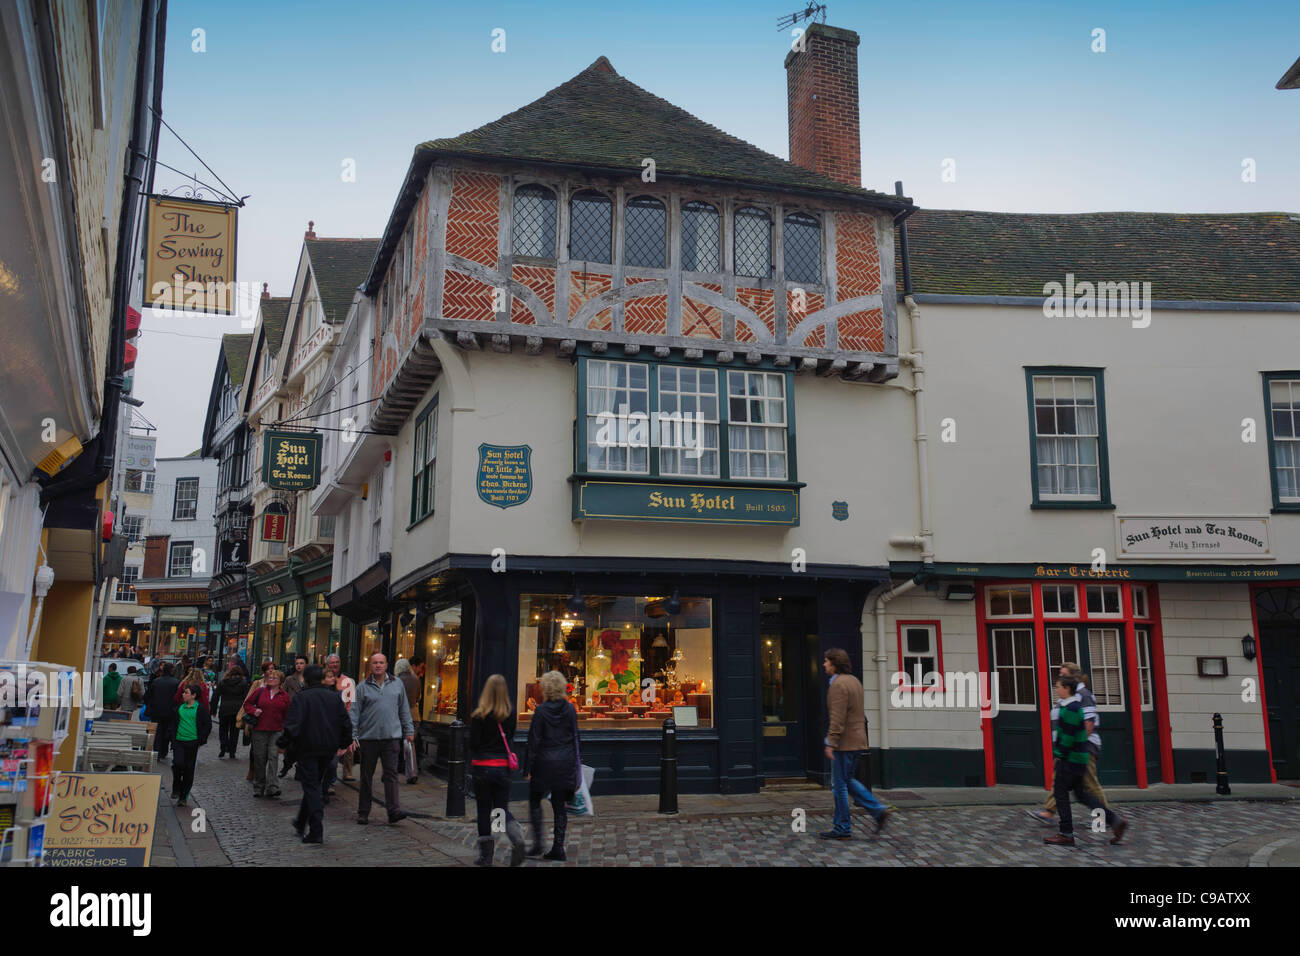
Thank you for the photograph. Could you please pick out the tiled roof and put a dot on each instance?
(236, 348)
(275, 313)
(1229, 257)
(340, 265)
(599, 119)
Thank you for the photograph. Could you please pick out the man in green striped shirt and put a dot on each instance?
(1071, 752)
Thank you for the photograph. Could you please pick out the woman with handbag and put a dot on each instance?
(228, 702)
(491, 726)
(266, 709)
(552, 763)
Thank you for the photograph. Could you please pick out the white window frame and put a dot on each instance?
(1077, 436)
(1292, 387)
(1053, 665)
(139, 535)
(1103, 614)
(904, 653)
(1057, 589)
(1146, 676)
(1140, 589)
(711, 436)
(1100, 668)
(177, 500)
(768, 429)
(1014, 665)
(623, 427)
(188, 563)
(988, 601)
(127, 582)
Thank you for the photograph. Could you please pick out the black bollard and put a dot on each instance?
(1221, 772)
(668, 769)
(456, 770)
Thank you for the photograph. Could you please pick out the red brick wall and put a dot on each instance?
(857, 272)
(588, 285)
(647, 315)
(472, 217)
(541, 279)
(700, 320)
(762, 302)
(822, 93)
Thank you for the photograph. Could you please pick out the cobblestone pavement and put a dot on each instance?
(245, 831)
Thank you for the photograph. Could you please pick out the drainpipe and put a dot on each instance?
(883, 597)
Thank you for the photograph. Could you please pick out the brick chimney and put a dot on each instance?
(266, 292)
(311, 225)
(822, 93)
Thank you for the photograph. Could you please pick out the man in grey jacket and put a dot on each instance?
(381, 717)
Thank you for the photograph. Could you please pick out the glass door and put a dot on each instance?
(783, 649)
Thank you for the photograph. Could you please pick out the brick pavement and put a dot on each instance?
(749, 830)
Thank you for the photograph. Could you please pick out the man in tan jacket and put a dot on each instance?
(846, 740)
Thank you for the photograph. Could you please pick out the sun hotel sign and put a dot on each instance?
(291, 460)
(189, 258)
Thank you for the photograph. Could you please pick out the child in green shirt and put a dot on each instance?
(1071, 751)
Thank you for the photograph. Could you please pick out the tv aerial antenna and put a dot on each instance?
(817, 10)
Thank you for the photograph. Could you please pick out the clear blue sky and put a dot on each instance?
(1012, 91)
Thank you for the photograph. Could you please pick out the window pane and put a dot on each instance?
(534, 221)
(645, 233)
(753, 241)
(803, 248)
(589, 227)
(700, 238)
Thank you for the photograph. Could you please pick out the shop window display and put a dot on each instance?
(370, 643)
(440, 645)
(629, 660)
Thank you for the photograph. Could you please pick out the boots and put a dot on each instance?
(516, 834)
(535, 820)
(557, 847)
(486, 847)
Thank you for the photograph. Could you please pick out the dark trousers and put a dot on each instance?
(385, 752)
(162, 737)
(311, 810)
(183, 759)
(228, 735)
(559, 813)
(1070, 780)
(491, 792)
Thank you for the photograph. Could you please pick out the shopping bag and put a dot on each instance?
(581, 804)
(408, 752)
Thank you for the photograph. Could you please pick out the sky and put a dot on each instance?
(997, 105)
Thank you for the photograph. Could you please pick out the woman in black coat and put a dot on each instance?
(553, 762)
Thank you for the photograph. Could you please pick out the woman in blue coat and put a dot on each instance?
(553, 762)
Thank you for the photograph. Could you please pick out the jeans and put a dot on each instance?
(266, 763)
(311, 810)
(228, 735)
(843, 783)
(185, 754)
(385, 752)
(1070, 779)
(491, 792)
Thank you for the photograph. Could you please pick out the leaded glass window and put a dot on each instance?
(645, 232)
(590, 227)
(803, 248)
(700, 238)
(534, 221)
(753, 243)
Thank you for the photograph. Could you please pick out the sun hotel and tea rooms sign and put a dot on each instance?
(291, 460)
(189, 260)
(1197, 537)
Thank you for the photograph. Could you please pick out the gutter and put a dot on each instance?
(152, 37)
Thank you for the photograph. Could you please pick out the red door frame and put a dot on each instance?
(1259, 671)
(1160, 686)
(1134, 684)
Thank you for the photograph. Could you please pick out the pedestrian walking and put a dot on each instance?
(405, 672)
(160, 706)
(316, 729)
(194, 677)
(266, 707)
(1091, 716)
(1071, 753)
(553, 762)
(347, 689)
(112, 683)
(330, 774)
(190, 731)
(246, 726)
(294, 682)
(130, 694)
(491, 726)
(381, 719)
(846, 741)
(231, 692)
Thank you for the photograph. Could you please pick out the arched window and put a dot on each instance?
(590, 227)
(645, 233)
(803, 248)
(753, 242)
(534, 222)
(701, 243)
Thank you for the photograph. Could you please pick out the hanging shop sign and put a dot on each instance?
(1193, 537)
(234, 556)
(189, 597)
(705, 504)
(291, 460)
(505, 474)
(189, 258)
(139, 453)
(275, 527)
(102, 819)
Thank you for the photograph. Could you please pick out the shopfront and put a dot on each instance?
(733, 658)
(294, 615)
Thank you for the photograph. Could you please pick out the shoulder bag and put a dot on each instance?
(510, 754)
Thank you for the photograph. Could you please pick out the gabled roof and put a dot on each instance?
(1291, 78)
(600, 119)
(1212, 257)
(601, 122)
(275, 314)
(340, 266)
(236, 348)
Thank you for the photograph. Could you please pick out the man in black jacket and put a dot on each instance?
(160, 707)
(316, 729)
